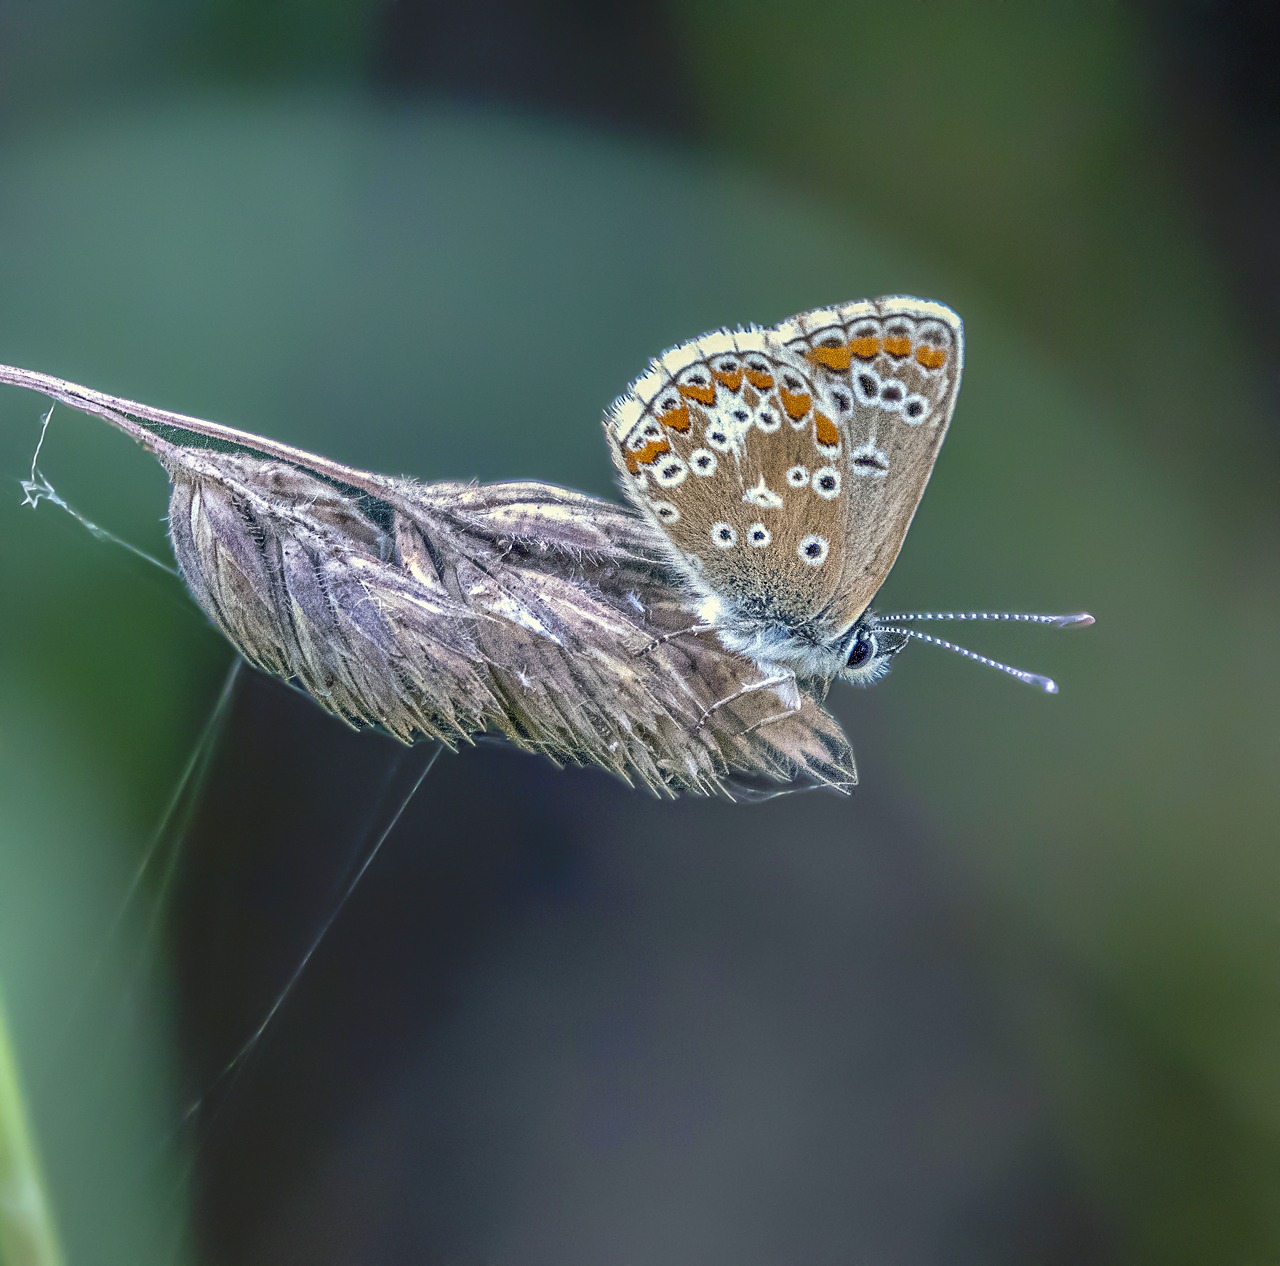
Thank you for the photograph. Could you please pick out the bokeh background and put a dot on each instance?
(1017, 1001)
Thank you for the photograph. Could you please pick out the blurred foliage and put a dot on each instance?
(205, 207)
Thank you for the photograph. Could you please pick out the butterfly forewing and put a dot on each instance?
(890, 369)
(784, 465)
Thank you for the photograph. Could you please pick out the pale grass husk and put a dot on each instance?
(445, 611)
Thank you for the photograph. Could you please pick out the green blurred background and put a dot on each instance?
(1017, 1001)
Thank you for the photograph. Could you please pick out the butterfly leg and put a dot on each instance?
(783, 678)
(654, 643)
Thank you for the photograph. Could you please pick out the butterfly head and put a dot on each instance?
(869, 651)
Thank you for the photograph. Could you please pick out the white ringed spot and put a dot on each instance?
(724, 535)
(866, 386)
(702, 461)
(758, 535)
(915, 408)
(826, 482)
(670, 472)
(767, 419)
(798, 476)
(665, 511)
(813, 550)
(892, 394)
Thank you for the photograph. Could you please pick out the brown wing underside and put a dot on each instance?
(899, 360)
(785, 465)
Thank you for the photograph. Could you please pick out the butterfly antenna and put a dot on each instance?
(1079, 620)
(1047, 684)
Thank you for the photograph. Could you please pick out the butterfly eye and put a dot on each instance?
(863, 651)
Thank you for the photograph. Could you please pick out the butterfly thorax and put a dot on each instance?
(753, 626)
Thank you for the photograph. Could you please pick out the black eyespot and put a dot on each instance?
(827, 482)
(915, 409)
(741, 414)
(717, 437)
(757, 535)
(831, 340)
(843, 403)
(727, 366)
(726, 534)
(868, 384)
(813, 549)
(668, 404)
(702, 462)
(758, 365)
(668, 471)
(863, 649)
(698, 380)
(791, 382)
(892, 393)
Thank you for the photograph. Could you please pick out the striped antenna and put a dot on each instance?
(1079, 620)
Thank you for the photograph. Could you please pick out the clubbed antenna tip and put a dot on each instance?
(1047, 684)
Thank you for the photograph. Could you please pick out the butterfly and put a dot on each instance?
(782, 468)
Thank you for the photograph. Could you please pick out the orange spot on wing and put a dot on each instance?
(635, 458)
(830, 357)
(759, 379)
(796, 403)
(731, 378)
(676, 419)
(825, 430)
(703, 395)
(864, 348)
(931, 357)
(898, 346)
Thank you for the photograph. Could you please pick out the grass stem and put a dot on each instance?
(27, 1233)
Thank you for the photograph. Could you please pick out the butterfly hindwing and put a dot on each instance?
(725, 446)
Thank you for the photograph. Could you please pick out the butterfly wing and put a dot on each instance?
(784, 466)
(888, 369)
(725, 446)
